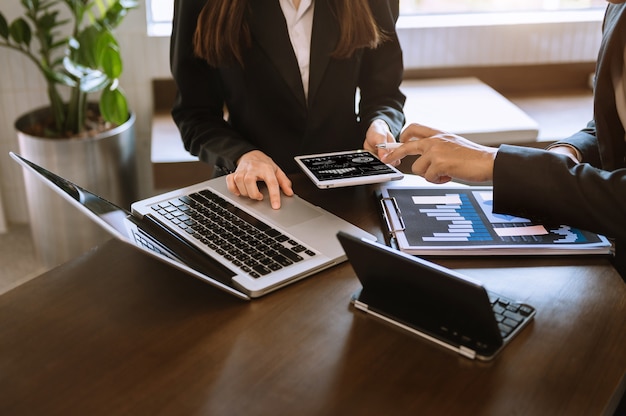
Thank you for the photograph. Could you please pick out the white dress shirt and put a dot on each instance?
(300, 26)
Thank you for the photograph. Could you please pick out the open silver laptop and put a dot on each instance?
(236, 244)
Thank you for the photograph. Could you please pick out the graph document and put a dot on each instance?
(453, 221)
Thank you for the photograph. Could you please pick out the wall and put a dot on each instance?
(500, 39)
(429, 46)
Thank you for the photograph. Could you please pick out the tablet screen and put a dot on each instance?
(349, 168)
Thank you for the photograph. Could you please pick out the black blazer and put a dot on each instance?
(551, 188)
(265, 99)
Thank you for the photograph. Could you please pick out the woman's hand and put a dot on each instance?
(256, 166)
(377, 133)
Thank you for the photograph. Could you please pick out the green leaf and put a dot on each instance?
(117, 11)
(4, 27)
(111, 62)
(114, 15)
(20, 32)
(86, 48)
(48, 21)
(113, 106)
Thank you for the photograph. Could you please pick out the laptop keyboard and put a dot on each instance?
(238, 237)
(509, 314)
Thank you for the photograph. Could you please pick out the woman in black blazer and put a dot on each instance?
(242, 106)
(579, 181)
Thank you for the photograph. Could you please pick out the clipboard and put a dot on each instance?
(446, 221)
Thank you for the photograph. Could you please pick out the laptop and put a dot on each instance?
(431, 301)
(239, 245)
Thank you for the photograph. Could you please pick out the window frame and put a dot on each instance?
(415, 26)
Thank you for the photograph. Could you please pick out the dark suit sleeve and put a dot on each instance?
(586, 142)
(381, 73)
(552, 189)
(199, 107)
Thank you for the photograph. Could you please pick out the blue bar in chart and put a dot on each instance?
(457, 216)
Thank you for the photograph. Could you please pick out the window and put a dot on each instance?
(467, 6)
(427, 30)
(159, 17)
(161, 10)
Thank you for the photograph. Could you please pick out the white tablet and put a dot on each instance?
(348, 168)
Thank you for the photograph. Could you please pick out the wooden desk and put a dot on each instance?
(116, 332)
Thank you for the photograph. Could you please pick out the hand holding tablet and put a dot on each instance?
(389, 145)
(347, 168)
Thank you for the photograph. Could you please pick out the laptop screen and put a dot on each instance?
(109, 215)
(145, 234)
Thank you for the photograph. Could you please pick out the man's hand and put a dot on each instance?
(444, 156)
(566, 150)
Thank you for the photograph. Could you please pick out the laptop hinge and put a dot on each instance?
(469, 353)
(360, 305)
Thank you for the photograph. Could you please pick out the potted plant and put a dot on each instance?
(88, 141)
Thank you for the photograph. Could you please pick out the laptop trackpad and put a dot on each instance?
(291, 213)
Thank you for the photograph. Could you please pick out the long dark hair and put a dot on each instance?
(222, 30)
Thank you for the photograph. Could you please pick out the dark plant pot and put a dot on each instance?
(104, 164)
